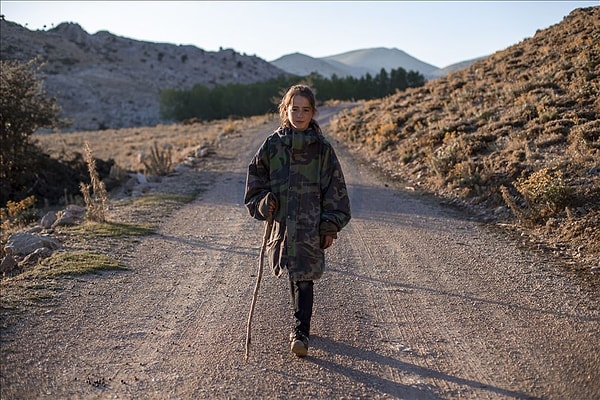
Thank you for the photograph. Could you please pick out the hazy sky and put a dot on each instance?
(436, 32)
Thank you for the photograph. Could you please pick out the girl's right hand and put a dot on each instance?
(267, 206)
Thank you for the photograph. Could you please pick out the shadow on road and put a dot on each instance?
(378, 383)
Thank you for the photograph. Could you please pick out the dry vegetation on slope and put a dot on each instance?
(127, 146)
(520, 129)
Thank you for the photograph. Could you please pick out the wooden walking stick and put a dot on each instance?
(268, 228)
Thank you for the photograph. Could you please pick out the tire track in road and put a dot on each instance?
(383, 233)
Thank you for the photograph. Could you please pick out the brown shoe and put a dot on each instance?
(299, 344)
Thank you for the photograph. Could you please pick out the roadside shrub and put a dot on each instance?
(544, 193)
(442, 160)
(160, 161)
(24, 108)
(18, 213)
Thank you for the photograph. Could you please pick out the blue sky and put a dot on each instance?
(436, 32)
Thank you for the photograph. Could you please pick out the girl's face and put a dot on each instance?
(300, 113)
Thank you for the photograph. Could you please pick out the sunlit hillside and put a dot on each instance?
(515, 135)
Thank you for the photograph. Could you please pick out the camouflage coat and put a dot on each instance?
(303, 172)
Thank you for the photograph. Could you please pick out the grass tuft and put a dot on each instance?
(73, 263)
(161, 198)
(111, 229)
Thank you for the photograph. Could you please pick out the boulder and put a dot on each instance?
(26, 243)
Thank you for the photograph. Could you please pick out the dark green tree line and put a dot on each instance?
(241, 100)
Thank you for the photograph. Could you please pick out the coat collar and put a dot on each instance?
(299, 139)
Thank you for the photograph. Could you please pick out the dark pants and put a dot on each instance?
(302, 301)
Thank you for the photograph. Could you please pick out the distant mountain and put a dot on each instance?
(381, 57)
(106, 81)
(302, 65)
(357, 63)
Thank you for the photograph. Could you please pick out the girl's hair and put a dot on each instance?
(296, 90)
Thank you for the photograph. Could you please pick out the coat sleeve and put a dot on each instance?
(335, 200)
(257, 181)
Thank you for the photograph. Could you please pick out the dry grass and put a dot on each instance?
(94, 194)
(128, 147)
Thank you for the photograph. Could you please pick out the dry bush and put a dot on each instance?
(230, 127)
(94, 194)
(160, 160)
(544, 194)
(545, 191)
(18, 213)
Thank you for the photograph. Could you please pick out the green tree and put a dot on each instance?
(24, 108)
(383, 83)
(398, 79)
(415, 79)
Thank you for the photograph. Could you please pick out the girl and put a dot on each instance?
(295, 181)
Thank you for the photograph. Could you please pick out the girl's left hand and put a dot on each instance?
(326, 241)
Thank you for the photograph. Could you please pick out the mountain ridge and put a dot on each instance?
(358, 63)
(302, 65)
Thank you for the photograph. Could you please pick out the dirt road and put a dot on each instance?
(419, 302)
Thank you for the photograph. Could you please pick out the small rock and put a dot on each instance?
(76, 210)
(38, 254)
(202, 152)
(141, 178)
(65, 218)
(183, 167)
(34, 229)
(48, 219)
(8, 264)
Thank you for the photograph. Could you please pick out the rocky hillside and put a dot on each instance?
(106, 81)
(515, 135)
(454, 67)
